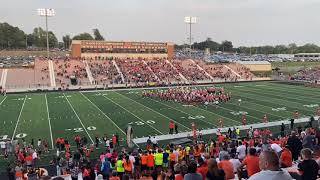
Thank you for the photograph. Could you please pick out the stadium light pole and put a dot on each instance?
(190, 20)
(46, 12)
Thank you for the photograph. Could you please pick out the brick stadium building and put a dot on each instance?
(90, 49)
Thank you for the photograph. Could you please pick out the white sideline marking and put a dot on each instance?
(153, 110)
(238, 86)
(3, 100)
(15, 129)
(133, 114)
(85, 129)
(260, 85)
(45, 95)
(225, 129)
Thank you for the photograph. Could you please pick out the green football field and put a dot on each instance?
(52, 115)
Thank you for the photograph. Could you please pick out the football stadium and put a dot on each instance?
(91, 108)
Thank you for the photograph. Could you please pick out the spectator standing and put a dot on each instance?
(251, 161)
(294, 145)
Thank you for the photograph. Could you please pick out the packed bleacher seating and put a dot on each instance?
(190, 70)
(308, 74)
(104, 72)
(68, 72)
(164, 71)
(243, 71)
(67, 69)
(135, 71)
(254, 155)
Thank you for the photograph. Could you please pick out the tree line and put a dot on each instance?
(14, 38)
(227, 46)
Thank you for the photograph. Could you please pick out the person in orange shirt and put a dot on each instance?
(196, 152)
(144, 160)
(203, 168)
(128, 165)
(227, 167)
(172, 159)
(286, 158)
(150, 162)
(251, 162)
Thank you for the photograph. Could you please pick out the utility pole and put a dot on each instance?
(190, 20)
(46, 12)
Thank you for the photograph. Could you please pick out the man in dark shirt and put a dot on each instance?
(308, 167)
(308, 141)
(295, 145)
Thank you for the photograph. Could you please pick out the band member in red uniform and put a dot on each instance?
(244, 119)
(171, 127)
(265, 119)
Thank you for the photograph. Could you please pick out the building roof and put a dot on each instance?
(254, 62)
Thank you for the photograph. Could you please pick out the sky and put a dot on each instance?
(244, 22)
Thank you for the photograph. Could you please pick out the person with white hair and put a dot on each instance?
(270, 168)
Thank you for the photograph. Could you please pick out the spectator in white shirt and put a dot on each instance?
(235, 162)
(241, 150)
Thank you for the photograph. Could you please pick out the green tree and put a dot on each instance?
(226, 46)
(97, 35)
(11, 37)
(83, 36)
(66, 41)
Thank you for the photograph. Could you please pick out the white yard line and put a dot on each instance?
(52, 146)
(85, 129)
(133, 114)
(154, 111)
(3, 100)
(262, 95)
(103, 113)
(256, 109)
(183, 112)
(15, 129)
(106, 116)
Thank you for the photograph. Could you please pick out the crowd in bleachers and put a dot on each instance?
(258, 155)
(104, 72)
(135, 71)
(163, 71)
(126, 71)
(65, 69)
(307, 74)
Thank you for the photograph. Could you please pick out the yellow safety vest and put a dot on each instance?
(120, 167)
(158, 159)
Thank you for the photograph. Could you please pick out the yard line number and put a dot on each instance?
(76, 130)
(140, 123)
(279, 109)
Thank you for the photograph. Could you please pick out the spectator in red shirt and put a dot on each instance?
(251, 162)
